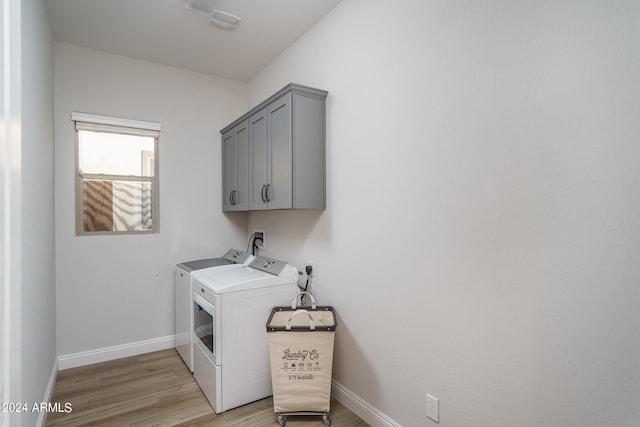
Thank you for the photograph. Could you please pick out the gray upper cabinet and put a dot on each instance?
(259, 166)
(270, 157)
(235, 168)
(286, 151)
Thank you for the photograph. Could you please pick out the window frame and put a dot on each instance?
(115, 125)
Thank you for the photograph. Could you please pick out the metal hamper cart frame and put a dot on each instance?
(301, 355)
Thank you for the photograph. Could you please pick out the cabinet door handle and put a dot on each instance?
(266, 193)
(232, 197)
(235, 197)
(263, 193)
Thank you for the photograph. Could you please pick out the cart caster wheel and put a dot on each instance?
(326, 420)
(282, 420)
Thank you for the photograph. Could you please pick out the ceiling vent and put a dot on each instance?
(200, 6)
(223, 20)
(217, 18)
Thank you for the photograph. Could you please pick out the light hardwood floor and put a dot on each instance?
(157, 389)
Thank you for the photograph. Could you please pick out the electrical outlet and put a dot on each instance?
(433, 408)
(312, 264)
(259, 239)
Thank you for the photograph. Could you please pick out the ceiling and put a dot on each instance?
(166, 32)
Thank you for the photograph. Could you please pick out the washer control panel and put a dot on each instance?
(238, 256)
(268, 265)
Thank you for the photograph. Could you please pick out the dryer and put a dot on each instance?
(230, 346)
(183, 278)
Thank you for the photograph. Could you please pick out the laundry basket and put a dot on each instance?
(301, 355)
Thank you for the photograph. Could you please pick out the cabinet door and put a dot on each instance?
(279, 190)
(241, 197)
(235, 168)
(229, 169)
(259, 160)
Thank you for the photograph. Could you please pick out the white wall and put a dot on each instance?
(117, 290)
(38, 316)
(28, 312)
(10, 178)
(480, 241)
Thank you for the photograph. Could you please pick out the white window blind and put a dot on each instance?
(94, 122)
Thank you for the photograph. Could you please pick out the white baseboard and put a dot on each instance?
(116, 352)
(361, 407)
(48, 393)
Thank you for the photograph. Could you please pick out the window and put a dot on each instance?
(116, 179)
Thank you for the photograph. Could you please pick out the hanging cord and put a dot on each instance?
(252, 245)
(303, 298)
(255, 244)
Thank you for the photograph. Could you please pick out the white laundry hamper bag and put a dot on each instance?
(301, 355)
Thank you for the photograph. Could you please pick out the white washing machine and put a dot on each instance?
(184, 295)
(230, 345)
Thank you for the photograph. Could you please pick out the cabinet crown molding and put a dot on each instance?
(294, 88)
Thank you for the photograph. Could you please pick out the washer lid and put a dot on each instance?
(201, 264)
(221, 281)
(232, 256)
